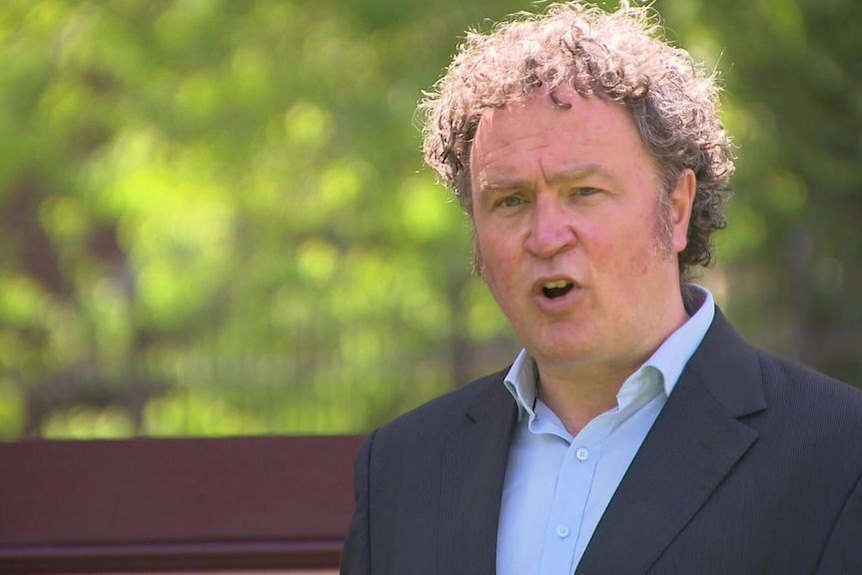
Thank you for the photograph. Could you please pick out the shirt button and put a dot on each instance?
(582, 454)
(562, 531)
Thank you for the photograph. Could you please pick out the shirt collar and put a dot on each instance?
(667, 361)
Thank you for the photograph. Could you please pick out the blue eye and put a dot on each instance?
(585, 191)
(511, 201)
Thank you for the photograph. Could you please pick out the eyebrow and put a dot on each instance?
(575, 172)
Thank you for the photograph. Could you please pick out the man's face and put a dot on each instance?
(568, 231)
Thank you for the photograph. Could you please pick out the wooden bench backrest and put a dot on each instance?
(174, 504)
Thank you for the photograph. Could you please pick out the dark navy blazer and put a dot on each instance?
(754, 466)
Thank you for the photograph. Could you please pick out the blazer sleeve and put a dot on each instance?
(843, 551)
(356, 555)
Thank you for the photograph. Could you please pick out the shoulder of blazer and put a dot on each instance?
(792, 377)
(434, 421)
(436, 418)
(827, 412)
(806, 404)
(746, 379)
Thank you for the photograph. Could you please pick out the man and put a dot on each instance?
(636, 432)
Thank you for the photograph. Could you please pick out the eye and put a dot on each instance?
(584, 192)
(510, 202)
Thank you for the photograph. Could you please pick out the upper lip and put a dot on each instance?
(540, 283)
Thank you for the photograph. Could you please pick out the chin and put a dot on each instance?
(558, 350)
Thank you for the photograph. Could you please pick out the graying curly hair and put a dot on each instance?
(620, 56)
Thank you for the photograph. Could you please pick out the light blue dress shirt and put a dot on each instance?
(557, 485)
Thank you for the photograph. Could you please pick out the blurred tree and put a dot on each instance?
(215, 219)
(213, 216)
(793, 250)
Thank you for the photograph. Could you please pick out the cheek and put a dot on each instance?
(621, 252)
(641, 260)
(489, 247)
(478, 262)
(497, 266)
(496, 262)
(482, 251)
(605, 247)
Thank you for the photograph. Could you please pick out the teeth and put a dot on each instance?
(559, 284)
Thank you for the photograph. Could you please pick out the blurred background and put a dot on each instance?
(214, 218)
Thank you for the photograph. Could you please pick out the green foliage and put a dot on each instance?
(793, 249)
(215, 219)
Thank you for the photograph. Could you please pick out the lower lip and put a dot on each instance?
(558, 304)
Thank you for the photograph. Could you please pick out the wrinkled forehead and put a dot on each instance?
(560, 96)
(558, 132)
(541, 109)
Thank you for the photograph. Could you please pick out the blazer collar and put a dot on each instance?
(693, 444)
(474, 469)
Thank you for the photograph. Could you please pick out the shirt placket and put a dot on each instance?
(563, 531)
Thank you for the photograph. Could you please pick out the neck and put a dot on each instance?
(579, 390)
(577, 401)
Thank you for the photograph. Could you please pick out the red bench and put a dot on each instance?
(163, 505)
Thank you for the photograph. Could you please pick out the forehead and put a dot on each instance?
(549, 133)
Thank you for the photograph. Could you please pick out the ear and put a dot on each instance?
(681, 202)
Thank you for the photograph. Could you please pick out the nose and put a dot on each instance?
(551, 230)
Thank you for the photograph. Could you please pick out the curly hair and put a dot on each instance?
(619, 56)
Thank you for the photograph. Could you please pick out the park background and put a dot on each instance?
(214, 218)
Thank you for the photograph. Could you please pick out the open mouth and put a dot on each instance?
(555, 289)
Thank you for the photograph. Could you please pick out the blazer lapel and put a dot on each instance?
(694, 443)
(474, 468)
